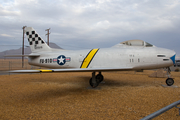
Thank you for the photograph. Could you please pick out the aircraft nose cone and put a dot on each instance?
(173, 58)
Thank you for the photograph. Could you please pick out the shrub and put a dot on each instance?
(176, 70)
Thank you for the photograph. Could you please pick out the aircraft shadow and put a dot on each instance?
(78, 88)
(116, 83)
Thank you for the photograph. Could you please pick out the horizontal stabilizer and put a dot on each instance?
(72, 70)
(30, 55)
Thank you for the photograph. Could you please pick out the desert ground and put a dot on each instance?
(14, 64)
(59, 96)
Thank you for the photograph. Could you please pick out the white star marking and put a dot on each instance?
(61, 60)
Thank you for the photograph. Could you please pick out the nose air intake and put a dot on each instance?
(173, 58)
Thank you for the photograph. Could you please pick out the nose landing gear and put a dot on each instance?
(169, 81)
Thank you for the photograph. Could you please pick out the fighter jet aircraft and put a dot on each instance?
(132, 55)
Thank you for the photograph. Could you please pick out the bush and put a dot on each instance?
(176, 70)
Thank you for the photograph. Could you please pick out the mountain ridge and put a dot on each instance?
(18, 51)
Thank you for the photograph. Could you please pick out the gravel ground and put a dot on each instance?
(58, 96)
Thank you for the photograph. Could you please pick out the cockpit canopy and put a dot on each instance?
(136, 43)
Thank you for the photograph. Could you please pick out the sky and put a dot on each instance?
(81, 24)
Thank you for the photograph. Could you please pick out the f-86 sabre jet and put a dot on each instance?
(132, 55)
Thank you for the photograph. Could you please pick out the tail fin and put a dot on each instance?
(37, 44)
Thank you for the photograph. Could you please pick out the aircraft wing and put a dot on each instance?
(72, 70)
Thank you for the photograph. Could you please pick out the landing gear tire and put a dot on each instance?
(99, 78)
(94, 85)
(169, 81)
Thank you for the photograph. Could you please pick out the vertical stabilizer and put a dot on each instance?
(37, 44)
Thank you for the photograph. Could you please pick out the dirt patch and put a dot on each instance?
(122, 95)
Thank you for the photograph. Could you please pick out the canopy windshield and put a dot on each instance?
(136, 43)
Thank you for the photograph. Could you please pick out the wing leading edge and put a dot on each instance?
(72, 70)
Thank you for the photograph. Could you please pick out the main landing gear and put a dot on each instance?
(169, 81)
(95, 80)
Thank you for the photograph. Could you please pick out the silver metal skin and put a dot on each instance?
(128, 55)
(134, 58)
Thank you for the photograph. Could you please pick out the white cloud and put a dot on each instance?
(102, 25)
(9, 13)
(98, 20)
(102, 1)
(6, 35)
(173, 4)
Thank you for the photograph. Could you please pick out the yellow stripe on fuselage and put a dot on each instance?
(88, 58)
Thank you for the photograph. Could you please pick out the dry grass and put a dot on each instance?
(124, 96)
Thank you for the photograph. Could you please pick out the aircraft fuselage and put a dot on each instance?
(130, 56)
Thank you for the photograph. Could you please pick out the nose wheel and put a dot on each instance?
(169, 81)
(95, 80)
